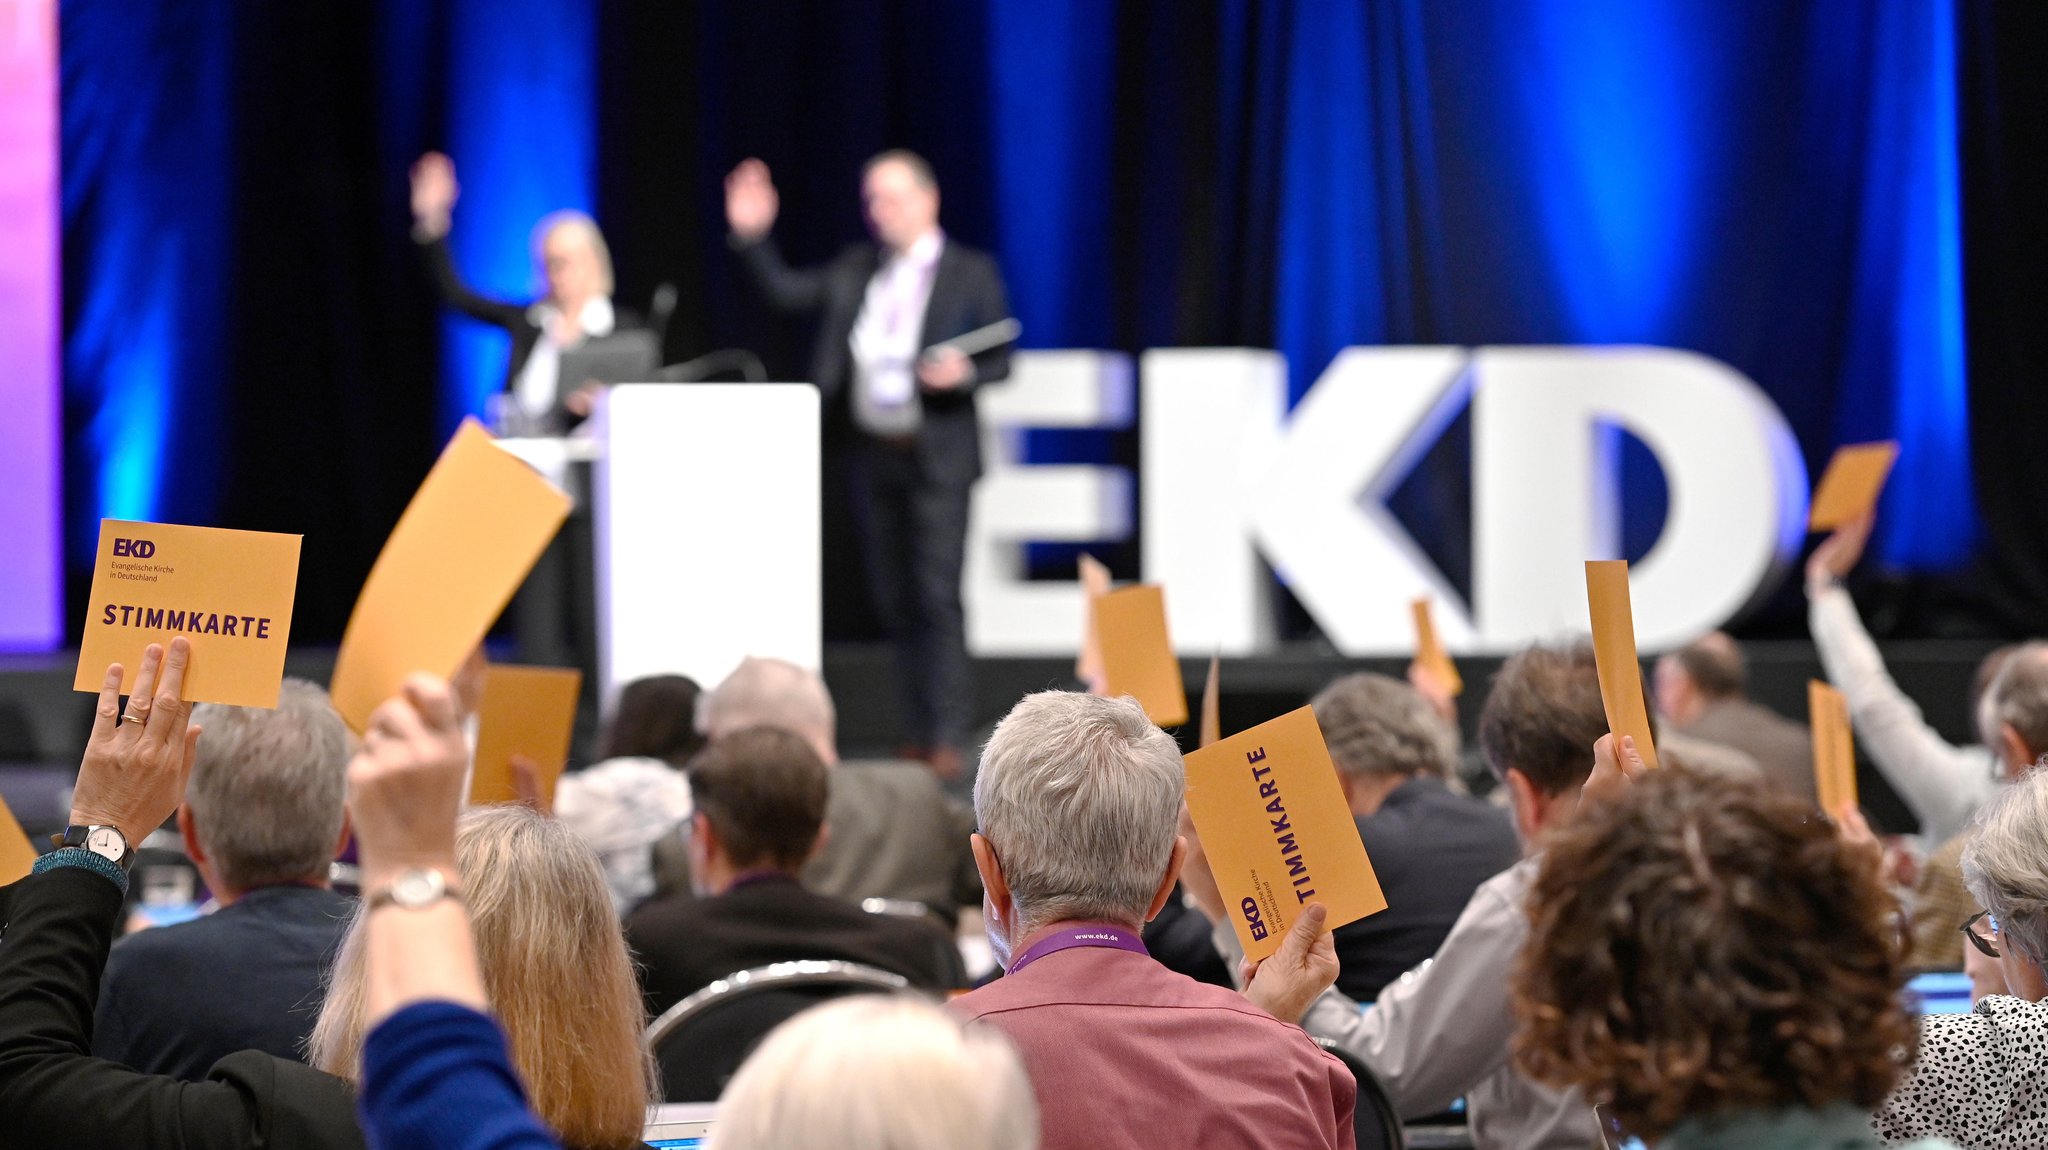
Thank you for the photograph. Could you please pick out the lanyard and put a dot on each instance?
(1079, 934)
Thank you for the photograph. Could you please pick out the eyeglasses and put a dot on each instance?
(1986, 944)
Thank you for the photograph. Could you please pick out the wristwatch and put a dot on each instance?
(415, 889)
(105, 841)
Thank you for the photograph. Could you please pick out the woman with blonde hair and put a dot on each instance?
(555, 971)
(878, 1073)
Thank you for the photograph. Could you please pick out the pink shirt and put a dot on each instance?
(1124, 1052)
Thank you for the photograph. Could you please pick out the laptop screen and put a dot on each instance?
(1941, 992)
(679, 1126)
(677, 1143)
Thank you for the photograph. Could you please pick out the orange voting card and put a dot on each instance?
(1094, 585)
(1614, 649)
(1212, 706)
(1430, 655)
(1137, 658)
(229, 592)
(1850, 486)
(528, 711)
(17, 854)
(463, 546)
(1834, 747)
(1277, 831)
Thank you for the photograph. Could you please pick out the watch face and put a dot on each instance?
(106, 842)
(417, 888)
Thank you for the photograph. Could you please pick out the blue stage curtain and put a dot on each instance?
(146, 114)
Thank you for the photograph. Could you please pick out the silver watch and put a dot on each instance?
(414, 889)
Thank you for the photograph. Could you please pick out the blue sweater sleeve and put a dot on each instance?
(437, 1076)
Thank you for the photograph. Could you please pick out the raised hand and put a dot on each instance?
(1616, 766)
(1837, 554)
(137, 760)
(1288, 981)
(405, 784)
(434, 191)
(751, 202)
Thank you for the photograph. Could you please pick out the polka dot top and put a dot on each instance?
(1981, 1079)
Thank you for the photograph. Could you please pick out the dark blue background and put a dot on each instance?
(1808, 191)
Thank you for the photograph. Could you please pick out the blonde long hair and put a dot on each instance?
(557, 972)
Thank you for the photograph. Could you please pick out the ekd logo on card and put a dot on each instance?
(1288, 846)
(187, 621)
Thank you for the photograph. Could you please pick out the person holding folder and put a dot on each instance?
(908, 326)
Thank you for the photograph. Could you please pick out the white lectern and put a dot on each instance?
(706, 497)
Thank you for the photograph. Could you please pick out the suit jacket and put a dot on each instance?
(967, 293)
(685, 945)
(59, 926)
(1123, 1052)
(1431, 849)
(892, 832)
(177, 999)
(1781, 747)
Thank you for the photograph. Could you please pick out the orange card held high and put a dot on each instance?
(464, 545)
(1850, 486)
(1834, 747)
(1429, 651)
(1614, 650)
(229, 593)
(1277, 831)
(1137, 657)
(527, 711)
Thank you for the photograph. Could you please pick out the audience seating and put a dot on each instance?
(1377, 1125)
(701, 1041)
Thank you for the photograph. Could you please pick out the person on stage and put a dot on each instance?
(576, 267)
(885, 361)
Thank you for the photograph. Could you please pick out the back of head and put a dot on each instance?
(1542, 716)
(763, 790)
(1080, 797)
(1715, 665)
(1377, 725)
(268, 787)
(874, 1073)
(2018, 698)
(556, 970)
(656, 718)
(771, 693)
(1701, 947)
(2005, 863)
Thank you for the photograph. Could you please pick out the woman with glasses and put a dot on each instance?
(1982, 1078)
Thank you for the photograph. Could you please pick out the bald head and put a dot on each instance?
(1704, 671)
(2014, 712)
(772, 693)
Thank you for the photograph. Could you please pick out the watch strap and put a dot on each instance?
(82, 859)
(387, 895)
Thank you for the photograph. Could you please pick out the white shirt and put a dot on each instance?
(1941, 783)
(885, 338)
(1442, 1030)
(540, 377)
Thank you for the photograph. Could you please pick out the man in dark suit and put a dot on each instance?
(1431, 848)
(760, 796)
(887, 311)
(262, 819)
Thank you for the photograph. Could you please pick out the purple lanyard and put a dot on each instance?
(1079, 934)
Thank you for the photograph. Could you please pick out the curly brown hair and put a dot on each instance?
(1702, 947)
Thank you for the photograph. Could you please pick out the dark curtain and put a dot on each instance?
(1752, 180)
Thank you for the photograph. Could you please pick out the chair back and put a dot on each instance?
(700, 1042)
(1376, 1124)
